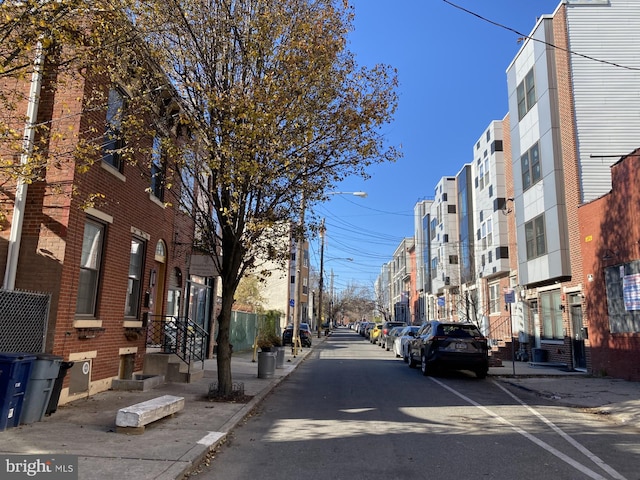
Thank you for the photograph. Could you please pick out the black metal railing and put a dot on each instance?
(178, 335)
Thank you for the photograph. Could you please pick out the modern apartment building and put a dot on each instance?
(423, 309)
(490, 250)
(573, 107)
(444, 247)
(400, 273)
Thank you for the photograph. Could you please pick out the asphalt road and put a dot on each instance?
(352, 411)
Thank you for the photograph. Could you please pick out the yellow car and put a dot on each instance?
(375, 332)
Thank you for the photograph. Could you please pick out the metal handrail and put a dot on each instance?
(178, 335)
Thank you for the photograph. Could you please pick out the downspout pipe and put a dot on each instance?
(17, 220)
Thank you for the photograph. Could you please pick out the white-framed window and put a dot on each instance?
(90, 266)
(134, 284)
(113, 141)
(526, 93)
(535, 236)
(531, 171)
(551, 315)
(494, 298)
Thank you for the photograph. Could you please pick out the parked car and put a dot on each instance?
(362, 327)
(401, 342)
(449, 345)
(367, 329)
(386, 328)
(389, 338)
(305, 335)
(374, 332)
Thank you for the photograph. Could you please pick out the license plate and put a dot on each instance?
(461, 346)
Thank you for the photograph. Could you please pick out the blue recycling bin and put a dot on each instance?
(15, 370)
(40, 387)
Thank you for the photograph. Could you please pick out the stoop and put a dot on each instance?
(172, 367)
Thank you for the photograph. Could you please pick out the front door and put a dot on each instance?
(577, 339)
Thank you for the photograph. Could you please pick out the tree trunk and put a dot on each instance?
(225, 382)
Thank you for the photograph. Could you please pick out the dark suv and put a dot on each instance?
(305, 335)
(449, 345)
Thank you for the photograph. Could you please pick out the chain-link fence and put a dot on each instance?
(23, 321)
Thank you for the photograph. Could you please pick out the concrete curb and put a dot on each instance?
(200, 452)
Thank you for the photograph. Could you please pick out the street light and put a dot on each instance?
(356, 194)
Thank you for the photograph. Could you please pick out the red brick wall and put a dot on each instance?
(610, 236)
(54, 225)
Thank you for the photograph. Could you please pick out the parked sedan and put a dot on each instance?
(449, 345)
(401, 342)
(390, 337)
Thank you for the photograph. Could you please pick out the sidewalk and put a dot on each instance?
(172, 446)
(167, 448)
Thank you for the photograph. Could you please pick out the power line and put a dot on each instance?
(523, 36)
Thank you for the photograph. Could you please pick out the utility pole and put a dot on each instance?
(321, 282)
(295, 335)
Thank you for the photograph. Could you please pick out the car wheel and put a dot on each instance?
(481, 373)
(424, 368)
(411, 361)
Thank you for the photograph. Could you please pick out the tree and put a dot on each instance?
(277, 111)
(249, 292)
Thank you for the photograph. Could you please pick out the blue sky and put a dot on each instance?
(451, 67)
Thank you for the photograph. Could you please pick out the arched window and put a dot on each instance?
(161, 252)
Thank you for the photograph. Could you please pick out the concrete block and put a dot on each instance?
(143, 413)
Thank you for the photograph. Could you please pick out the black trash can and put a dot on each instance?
(15, 370)
(539, 355)
(57, 388)
(46, 368)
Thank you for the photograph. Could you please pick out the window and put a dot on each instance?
(305, 286)
(496, 146)
(535, 237)
(526, 93)
(530, 162)
(622, 301)
(494, 298)
(157, 169)
(90, 263)
(113, 141)
(551, 315)
(136, 262)
(453, 259)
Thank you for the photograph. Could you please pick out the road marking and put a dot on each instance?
(565, 458)
(211, 438)
(594, 458)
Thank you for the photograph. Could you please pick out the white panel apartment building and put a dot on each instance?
(491, 207)
(571, 116)
(444, 246)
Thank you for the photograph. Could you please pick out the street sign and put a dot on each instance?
(292, 303)
(509, 295)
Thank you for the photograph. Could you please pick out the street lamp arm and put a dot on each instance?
(357, 194)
